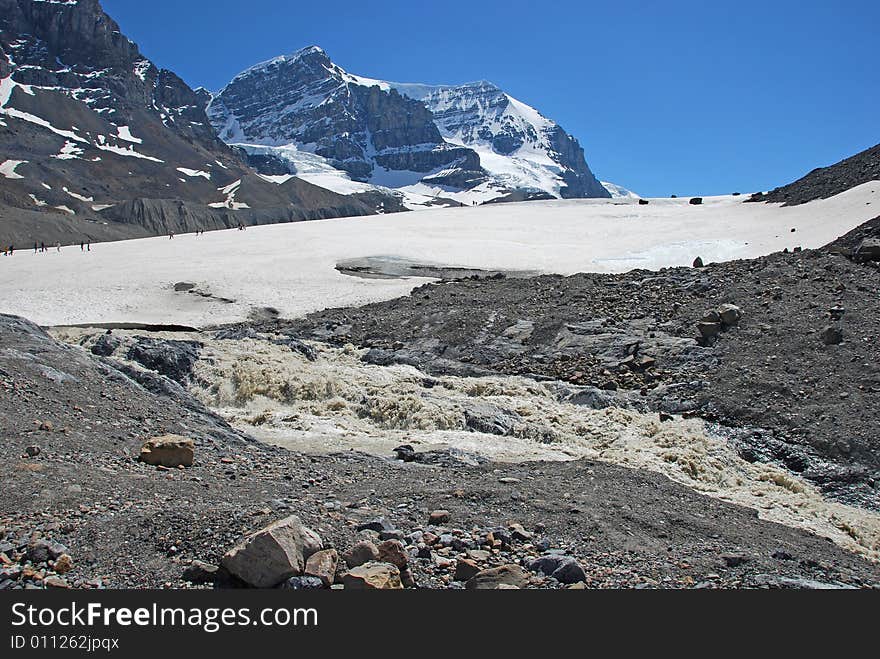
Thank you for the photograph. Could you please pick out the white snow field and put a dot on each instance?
(291, 267)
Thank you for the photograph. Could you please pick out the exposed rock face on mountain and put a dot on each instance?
(467, 143)
(825, 182)
(371, 134)
(87, 124)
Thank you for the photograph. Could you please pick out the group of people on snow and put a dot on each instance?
(84, 246)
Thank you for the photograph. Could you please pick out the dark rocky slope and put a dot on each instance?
(826, 182)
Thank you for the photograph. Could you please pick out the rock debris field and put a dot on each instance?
(689, 427)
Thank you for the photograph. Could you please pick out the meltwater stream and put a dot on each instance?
(338, 403)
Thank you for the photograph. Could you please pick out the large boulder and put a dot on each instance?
(273, 554)
(868, 250)
(168, 451)
(490, 419)
(494, 578)
(565, 569)
(730, 314)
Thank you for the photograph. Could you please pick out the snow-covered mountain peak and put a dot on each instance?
(468, 142)
(309, 54)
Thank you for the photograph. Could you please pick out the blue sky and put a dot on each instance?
(679, 97)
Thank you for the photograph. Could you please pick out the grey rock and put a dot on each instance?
(570, 572)
(709, 330)
(300, 347)
(173, 359)
(273, 554)
(868, 250)
(564, 569)
(832, 336)
(378, 525)
(106, 345)
(490, 419)
(730, 314)
(734, 560)
(40, 551)
(303, 583)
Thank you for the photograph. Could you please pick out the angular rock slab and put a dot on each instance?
(168, 451)
(373, 576)
(322, 565)
(273, 554)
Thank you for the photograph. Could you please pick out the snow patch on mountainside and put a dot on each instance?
(316, 170)
(7, 168)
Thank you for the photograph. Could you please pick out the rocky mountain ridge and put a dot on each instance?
(467, 143)
(304, 102)
(88, 125)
